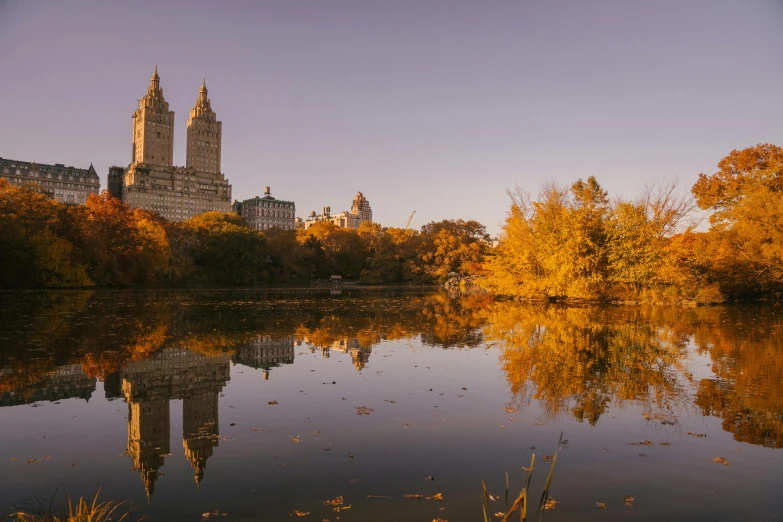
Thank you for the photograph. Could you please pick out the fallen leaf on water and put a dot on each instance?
(642, 443)
(337, 501)
(233, 424)
(13, 458)
(600, 505)
(721, 460)
(664, 443)
(628, 499)
(439, 520)
(316, 432)
(363, 410)
(297, 513)
(436, 496)
(509, 409)
(342, 508)
(295, 439)
(273, 403)
(412, 495)
(33, 461)
(429, 477)
(697, 434)
(550, 503)
(500, 514)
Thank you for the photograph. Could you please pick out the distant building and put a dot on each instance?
(492, 242)
(65, 184)
(116, 175)
(152, 182)
(267, 212)
(361, 207)
(360, 212)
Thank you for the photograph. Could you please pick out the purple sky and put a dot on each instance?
(438, 106)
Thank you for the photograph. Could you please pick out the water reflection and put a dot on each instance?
(148, 385)
(574, 363)
(585, 359)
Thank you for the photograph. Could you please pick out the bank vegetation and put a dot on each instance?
(567, 243)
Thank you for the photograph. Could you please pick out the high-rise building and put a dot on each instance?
(361, 207)
(267, 212)
(204, 136)
(152, 182)
(65, 184)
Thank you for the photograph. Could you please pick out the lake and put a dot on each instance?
(257, 404)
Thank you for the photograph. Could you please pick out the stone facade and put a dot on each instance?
(267, 212)
(65, 184)
(152, 182)
(204, 136)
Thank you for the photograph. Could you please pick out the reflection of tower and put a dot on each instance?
(148, 439)
(200, 429)
(148, 386)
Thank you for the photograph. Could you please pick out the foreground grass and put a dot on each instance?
(82, 511)
(521, 502)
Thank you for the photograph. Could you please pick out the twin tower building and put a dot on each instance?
(152, 182)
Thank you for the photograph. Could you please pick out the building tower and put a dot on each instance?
(361, 207)
(153, 127)
(204, 136)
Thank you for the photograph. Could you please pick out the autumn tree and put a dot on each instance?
(451, 246)
(31, 252)
(226, 251)
(743, 251)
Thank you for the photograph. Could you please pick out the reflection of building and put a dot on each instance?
(360, 212)
(148, 385)
(267, 212)
(65, 184)
(360, 355)
(152, 182)
(66, 382)
(265, 352)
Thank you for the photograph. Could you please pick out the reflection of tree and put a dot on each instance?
(583, 359)
(577, 359)
(746, 349)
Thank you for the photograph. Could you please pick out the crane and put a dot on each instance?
(408, 224)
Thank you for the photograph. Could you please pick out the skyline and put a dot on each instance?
(451, 103)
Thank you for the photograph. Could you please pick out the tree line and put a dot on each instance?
(574, 242)
(44, 243)
(566, 243)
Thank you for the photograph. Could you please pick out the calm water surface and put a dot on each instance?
(260, 403)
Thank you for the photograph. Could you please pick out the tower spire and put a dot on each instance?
(155, 79)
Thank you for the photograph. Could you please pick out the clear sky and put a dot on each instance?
(437, 106)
